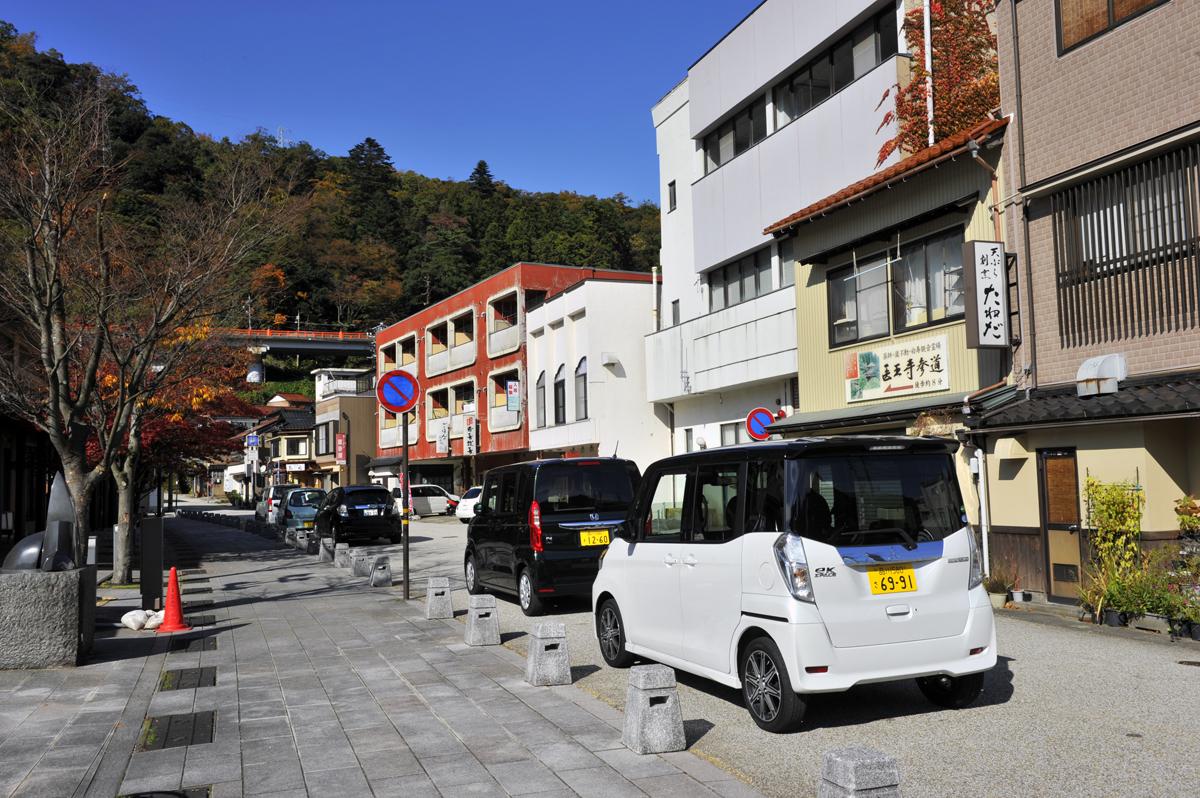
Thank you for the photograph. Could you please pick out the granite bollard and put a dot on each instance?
(381, 572)
(653, 719)
(483, 622)
(547, 662)
(326, 550)
(858, 771)
(438, 602)
(341, 555)
(360, 563)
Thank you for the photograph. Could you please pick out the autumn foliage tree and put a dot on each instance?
(966, 79)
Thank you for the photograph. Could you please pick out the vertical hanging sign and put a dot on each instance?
(986, 295)
(339, 448)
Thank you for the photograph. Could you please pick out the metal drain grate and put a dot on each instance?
(1194, 663)
(192, 591)
(173, 731)
(197, 604)
(193, 645)
(190, 792)
(202, 620)
(192, 572)
(188, 679)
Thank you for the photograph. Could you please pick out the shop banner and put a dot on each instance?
(896, 369)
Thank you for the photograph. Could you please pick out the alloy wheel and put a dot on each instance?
(761, 685)
(610, 633)
(526, 590)
(470, 575)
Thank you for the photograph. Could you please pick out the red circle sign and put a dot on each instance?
(398, 391)
(757, 421)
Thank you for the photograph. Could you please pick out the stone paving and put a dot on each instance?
(324, 687)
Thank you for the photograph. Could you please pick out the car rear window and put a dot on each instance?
(472, 493)
(586, 485)
(357, 497)
(306, 498)
(277, 492)
(859, 500)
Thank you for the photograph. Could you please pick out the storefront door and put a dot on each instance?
(1058, 484)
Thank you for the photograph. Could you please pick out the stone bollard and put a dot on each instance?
(483, 622)
(438, 603)
(360, 563)
(300, 539)
(341, 555)
(653, 720)
(381, 572)
(311, 543)
(326, 550)
(547, 662)
(858, 771)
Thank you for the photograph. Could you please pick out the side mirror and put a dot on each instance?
(480, 509)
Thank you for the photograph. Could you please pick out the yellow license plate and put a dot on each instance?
(308, 524)
(892, 580)
(594, 538)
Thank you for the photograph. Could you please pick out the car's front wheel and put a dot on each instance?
(531, 602)
(952, 692)
(767, 690)
(610, 630)
(471, 576)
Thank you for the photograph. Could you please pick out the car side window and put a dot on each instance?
(665, 518)
(764, 497)
(508, 493)
(490, 490)
(718, 514)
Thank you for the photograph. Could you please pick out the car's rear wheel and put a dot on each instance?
(767, 690)
(610, 630)
(531, 602)
(472, 577)
(952, 692)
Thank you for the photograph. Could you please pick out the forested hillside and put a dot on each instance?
(371, 242)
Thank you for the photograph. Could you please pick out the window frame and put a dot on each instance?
(540, 401)
(672, 202)
(895, 296)
(560, 408)
(652, 480)
(1112, 25)
(581, 396)
(738, 527)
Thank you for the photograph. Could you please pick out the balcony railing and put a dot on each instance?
(389, 437)
(437, 362)
(503, 340)
(353, 387)
(502, 418)
(462, 355)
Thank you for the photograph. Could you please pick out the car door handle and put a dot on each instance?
(670, 560)
(689, 560)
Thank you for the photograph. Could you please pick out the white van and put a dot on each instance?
(804, 566)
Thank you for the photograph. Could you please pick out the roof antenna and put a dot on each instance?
(616, 446)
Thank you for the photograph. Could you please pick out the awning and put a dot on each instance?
(871, 415)
(383, 462)
(1170, 396)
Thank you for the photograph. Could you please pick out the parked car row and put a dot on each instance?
(782, 569)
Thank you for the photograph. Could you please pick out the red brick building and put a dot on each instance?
(465, 350)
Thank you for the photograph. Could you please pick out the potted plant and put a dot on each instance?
(998, 584)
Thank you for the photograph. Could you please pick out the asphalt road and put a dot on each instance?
(1070, 710)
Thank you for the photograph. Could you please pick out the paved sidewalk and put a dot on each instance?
(324, 687)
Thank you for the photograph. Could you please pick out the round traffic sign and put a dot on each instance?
(398, 391)
(757, 421)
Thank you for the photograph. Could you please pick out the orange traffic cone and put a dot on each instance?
(173, 612)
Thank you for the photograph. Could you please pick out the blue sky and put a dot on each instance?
(554, 95)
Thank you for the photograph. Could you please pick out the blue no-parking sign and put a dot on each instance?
(757, 421)
(398, 391)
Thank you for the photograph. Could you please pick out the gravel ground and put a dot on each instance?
(1070, 710)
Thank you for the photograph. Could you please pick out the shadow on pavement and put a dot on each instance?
(695, 729)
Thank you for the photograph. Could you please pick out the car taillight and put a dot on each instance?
(535, 527)
(287, 513)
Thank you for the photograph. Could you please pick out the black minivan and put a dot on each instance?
(540, 527)
(362, 512)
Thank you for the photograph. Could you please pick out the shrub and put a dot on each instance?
(1003, 578)
(1114, 514)
(1187, 512)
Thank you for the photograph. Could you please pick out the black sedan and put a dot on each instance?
(358, 512)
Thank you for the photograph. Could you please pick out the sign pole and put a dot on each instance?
(404, 501)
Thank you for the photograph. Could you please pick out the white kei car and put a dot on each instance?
(805, 566)
(466, 505)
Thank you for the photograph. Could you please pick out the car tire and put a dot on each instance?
(952, 692)
(531, 603)
(471, 576)
(465, 520)
(610, 632)
(767, 690)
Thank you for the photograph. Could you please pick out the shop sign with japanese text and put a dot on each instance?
(897, 368)
(987, 294)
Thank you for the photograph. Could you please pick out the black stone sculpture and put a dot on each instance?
(54, 548)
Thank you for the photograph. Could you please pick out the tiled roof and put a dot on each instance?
(947, 147)
(297, 398)
(1145, 396)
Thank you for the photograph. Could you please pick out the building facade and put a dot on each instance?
(466, 350)
(1104, 215)
(587, 383)
(343, 436)
(778, 114)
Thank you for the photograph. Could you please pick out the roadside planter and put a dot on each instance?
(998, 600)
(1112, 617)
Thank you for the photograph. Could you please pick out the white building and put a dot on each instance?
(587, 384)
(781, 112)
